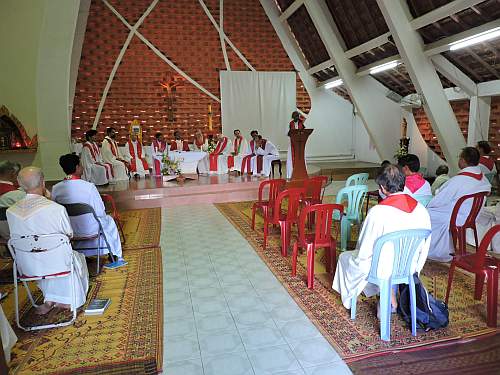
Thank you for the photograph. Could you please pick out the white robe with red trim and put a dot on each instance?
(94, 169)
(412, 189)
(134, 154)
(159, 150)
(441, 207)
(354, 266)
(220, 154)
(110, 154)
(240, 150)
(485, 162)
(269, 153)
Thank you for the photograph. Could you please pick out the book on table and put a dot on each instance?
(97, 306)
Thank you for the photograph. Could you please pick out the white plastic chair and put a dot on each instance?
(357, 179)
(355, 196)
(42, 257)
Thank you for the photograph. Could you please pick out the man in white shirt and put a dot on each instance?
(415, 183)
(111, 154)
(37, 215)
(398, 211)
(75, 190)
(266, 153)
(135, 157)
(94, 168)
(240, 150)
(486, 162)
(470, 180)
(246, 161)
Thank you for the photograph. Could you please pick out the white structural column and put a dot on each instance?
(425, 78)
(381, 120)
(455, 75)
(479, 119)
(221, 34)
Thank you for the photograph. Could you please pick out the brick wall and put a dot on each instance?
(182, 31)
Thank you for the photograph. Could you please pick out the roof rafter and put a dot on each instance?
(291, 10)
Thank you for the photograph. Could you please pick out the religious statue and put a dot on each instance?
(169, 84)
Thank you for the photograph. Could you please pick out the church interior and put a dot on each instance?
(210, 187)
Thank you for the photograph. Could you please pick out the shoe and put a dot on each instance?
(117, 264)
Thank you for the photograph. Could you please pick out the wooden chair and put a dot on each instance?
(109, 202)
(321, 237)
(483, 266)
(274, 186)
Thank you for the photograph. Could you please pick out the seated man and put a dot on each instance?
(399, 211)
(200, 143)
(486, 162)
(9, 193)
(75, 190)
(94, 168)
(246, 161)
(178, 144)
(240, 150)
(36, 214)
(159, 149)
(266, 152)
(111, 154)
(217, 161)
(469, 180)
(441, 178)
(135, 157)
(415, 184)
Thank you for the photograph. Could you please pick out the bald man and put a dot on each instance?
(37, 215)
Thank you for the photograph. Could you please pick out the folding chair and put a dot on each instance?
(78, 209)
(41, 257)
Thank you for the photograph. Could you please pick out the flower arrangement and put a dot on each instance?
(404, 144)
(170, 168)
(212, 144)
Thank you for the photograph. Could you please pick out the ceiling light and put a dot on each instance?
(336, 83)
(386, 66)
(478, 38)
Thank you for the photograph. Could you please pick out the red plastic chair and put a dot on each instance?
(275, 186)
(284, 219)
(483, 266)
(458, 231)
(314, 193)
(113, 212)
(321, 237)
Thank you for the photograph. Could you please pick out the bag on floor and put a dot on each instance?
(431, 313)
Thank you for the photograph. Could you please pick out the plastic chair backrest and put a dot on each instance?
(405, 244)
(106, 198)
(355, 196)
(323, 219)
(79, 209)
(470, 221)
(480, 255)
(314, 187)
(274, 187)
(423, 199)
(294, 196)
(41, 255)
(357, 179)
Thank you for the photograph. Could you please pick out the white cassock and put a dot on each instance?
(94, 169)
(7, 200)
(110, 154)
(134, 155)
(354, 266)
(202, 146)
(159, 150)
(80, 191)
(241, 149)
(38, 215)
(216, 161)
(267, 155)
(487, 218)
(441, 207)
(416, 185)
(9, 338)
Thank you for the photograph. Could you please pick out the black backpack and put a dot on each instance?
(431, 313)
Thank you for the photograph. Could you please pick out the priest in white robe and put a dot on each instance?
(469, 180)
(266, 153)
(246, 160)
(488, 218)
(159, 149)
(37, 215)
(415, 183)
(486, 162)
(240, 150)
(94, 168)
(398, 211)
(295, 124)
(75, 190)
(200, 142)
(134, 156)
(217, 161)
(111, 154)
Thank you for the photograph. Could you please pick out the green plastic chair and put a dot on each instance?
(423, 199)
(357, 179)
(355, 196)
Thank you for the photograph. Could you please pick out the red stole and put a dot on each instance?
(198, 144)
(260, 158)
(72, 177)
(299, 125)
(414, 182)
(237, 145)
(173, 146)
(133, 165)
(245, 162)
(159, 146)
(114, 146)
(402, 202)
(477, 176)
(94, 152)
(487, 162)
(5, 188)
(214, 156)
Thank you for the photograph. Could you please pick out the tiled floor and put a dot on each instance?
(225, 312)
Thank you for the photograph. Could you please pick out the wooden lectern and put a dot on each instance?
(298, 139)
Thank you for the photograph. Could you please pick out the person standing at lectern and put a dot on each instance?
(295, 124)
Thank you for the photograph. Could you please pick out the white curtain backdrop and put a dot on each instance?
(263, 101)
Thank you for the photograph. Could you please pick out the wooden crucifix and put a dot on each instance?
(169, 84)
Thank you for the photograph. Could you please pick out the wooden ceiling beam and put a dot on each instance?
(291, 10)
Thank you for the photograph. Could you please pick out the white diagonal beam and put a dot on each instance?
(322, 66)
(221, 34)
(490, 88)
(479, 120)
(119, 60)
(442, 12)
(455, 75)
(425, 78)
(291, 10)
(160, 54)
(368, 46)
